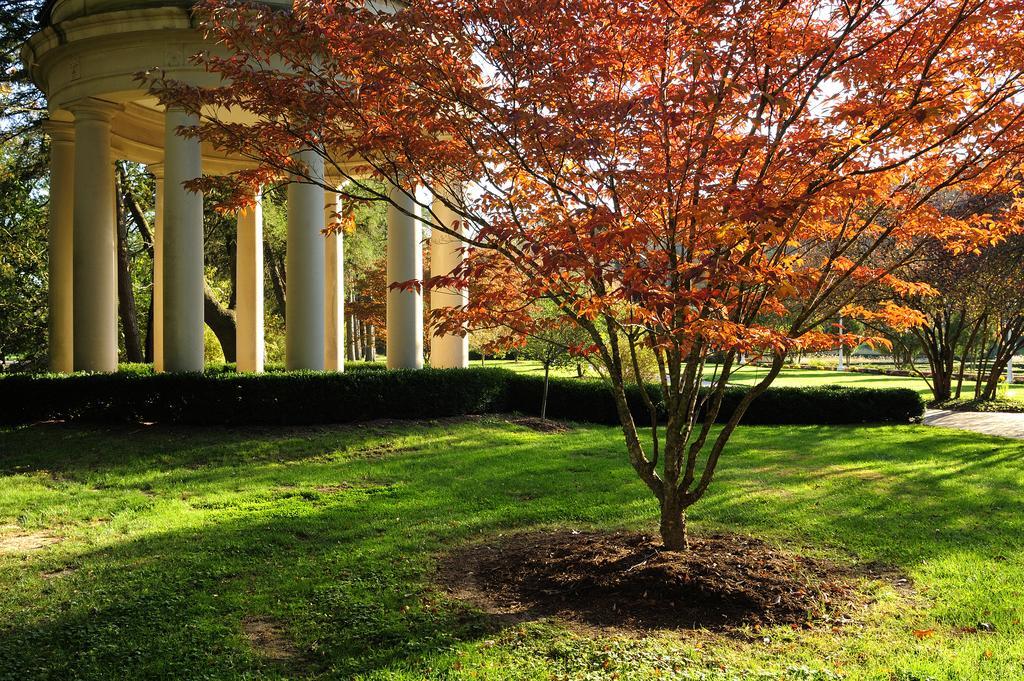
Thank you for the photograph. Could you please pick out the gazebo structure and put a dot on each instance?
(85, 58)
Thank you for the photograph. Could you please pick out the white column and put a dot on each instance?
(249, 290)
(94, 270)
(304, 270)
(61, 245)
(404, 263)
(183, 248)
(446, 254)
(334, 286)
(158, 267)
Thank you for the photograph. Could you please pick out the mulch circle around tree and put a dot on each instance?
(625, 580)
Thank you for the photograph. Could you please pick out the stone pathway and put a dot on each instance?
(995, 423)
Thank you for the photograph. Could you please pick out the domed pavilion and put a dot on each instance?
(85, 58)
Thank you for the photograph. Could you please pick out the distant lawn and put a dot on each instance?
(529, 366)
(181, 553)
(810, 377)
(748, 375)
(789, 377)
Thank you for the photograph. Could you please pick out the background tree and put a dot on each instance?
(23, 229)
(974, 322)
(23, 106)
(677, 176)
(23, 206)
(554, 342)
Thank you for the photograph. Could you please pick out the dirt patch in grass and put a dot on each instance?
(268, 638)
(57, 574)
(24, 542)
(333, 489)
(379, 451)
(541, 425)
(725, 582)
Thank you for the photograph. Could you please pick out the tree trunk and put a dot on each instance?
(231, 245)
(673, 523)
(125, 290)
(544, 398)
(371, 345)
(350, 334)
(277, 280)
(131, 203)
(221, 321)
(149, 333)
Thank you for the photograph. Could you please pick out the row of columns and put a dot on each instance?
(82, 251)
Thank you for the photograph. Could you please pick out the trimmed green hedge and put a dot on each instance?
(590, 401)
(278, 398)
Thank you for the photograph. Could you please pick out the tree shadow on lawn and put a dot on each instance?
(84, 448)
(337, 560)
(343, 582)
(344, 571)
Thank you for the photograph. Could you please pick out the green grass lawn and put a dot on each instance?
(810, 377)
(789, 377)
(532, 367)
(174, 542)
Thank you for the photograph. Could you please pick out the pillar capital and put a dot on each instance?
(59, 131)
(156, 170)
(92, 109)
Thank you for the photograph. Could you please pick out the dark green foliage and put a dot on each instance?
(23, 232)
(572, 399)
(828, 405)
(221, 396)
(591, 401)
(476, 355)
(274, 398)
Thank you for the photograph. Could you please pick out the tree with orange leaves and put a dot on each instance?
(689, 178)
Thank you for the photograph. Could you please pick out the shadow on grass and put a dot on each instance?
(331, 533)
